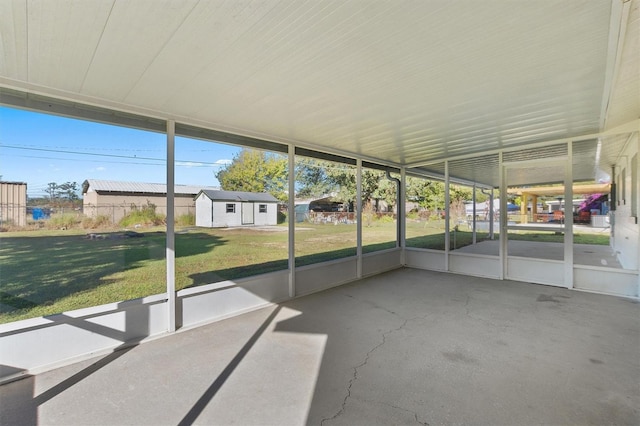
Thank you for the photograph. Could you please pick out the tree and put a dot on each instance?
(312, 178)
(52, 191)
(68, 191)
(256, 171)
(429, 194)
(317, 178)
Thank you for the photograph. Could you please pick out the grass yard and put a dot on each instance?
(46, 272)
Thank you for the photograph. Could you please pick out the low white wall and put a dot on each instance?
(618, 282)
(539, 271)
(216, 301)
(40, 344)
(433, 260)
(321, 276)
(475, 264)
(381, 261)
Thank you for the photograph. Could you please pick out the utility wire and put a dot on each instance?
(135, 157)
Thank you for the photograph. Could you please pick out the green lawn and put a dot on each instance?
(46, 272)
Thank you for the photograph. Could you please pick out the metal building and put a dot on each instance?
(13, 203)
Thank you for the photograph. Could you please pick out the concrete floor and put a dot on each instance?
(405, 347)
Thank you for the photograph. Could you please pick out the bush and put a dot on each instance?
(146, 215)
(282, 217)
(384, 218)
(188, 219)
(413, 215)
(100, 221)
(63, 221)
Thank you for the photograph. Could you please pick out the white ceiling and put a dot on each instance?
(404, 83)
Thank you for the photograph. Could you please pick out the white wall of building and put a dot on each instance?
(270, 217)
(214, 214)
(203, 211)
(222, 219)
(626, 236)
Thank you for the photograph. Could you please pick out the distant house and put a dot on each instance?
(13, 203)
(219, 209)
(115, 199)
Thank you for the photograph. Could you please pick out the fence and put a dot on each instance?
(117, 211)
(12, 214)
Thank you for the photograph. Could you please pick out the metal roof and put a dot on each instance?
(139, 187)
(402, 83)
(240, 196)
(12, 183)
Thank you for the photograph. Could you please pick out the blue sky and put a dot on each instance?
(40, 148)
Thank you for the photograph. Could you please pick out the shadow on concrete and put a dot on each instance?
(20, 404)
(211, 391)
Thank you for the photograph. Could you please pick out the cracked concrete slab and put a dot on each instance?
(406, 347)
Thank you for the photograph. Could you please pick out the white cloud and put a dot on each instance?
(189, 164)
(199, 164)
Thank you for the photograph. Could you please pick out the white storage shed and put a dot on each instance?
(220, 209)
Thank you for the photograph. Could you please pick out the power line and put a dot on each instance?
(135, 157)
(78, 153)
(92, 161)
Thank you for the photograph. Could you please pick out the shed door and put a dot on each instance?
(247, 214)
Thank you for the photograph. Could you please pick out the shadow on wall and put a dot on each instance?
(20, 403)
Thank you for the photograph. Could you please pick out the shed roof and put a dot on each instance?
(241, 196)
(139, 187)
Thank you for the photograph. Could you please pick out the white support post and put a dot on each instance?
(492, 215)
(171, 236)
(473, 198)
(402, 214)
(568, 218)
(359, 218)
(292, 221)
(446, 216)
(503, 219)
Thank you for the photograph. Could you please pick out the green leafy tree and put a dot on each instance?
(256, 171)
(68, 191)
(318, 178)
(312, 178)
(429, 194)
(53, 191)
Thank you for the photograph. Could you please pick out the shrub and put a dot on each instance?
(188, 219)
(100, 221)
(63, 220)
(385, 218)
(146, 215)
(282, 217)
(413, 215)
